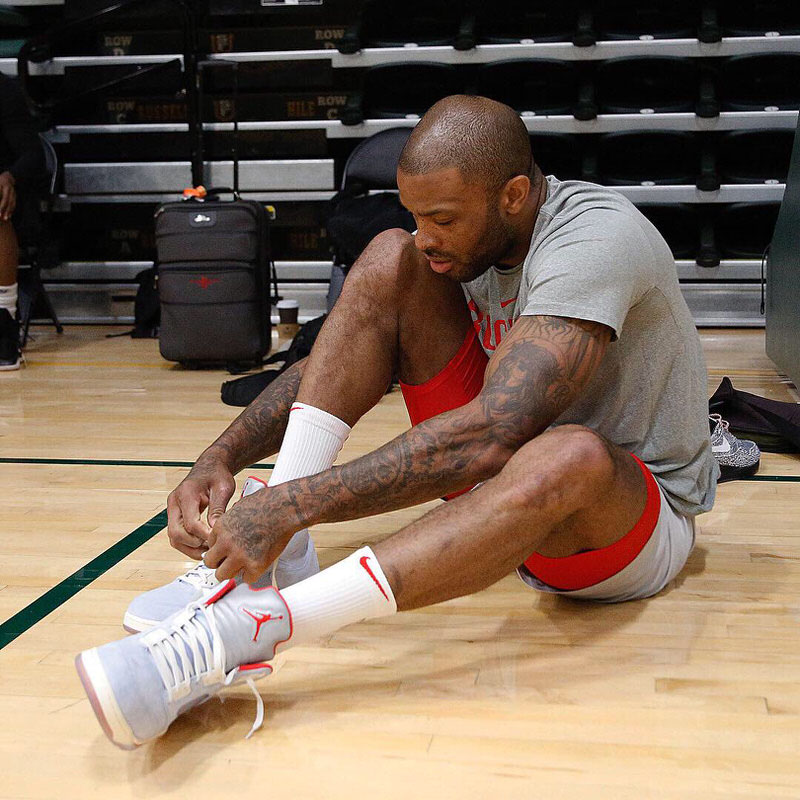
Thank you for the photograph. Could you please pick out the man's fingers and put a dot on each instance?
(179, 537)
(195, 553)
(218, 500)
(214, 556)
(225, 566)
(187, 512)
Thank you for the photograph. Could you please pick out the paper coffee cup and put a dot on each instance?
(287, 311)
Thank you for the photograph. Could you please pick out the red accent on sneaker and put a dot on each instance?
(257, 480)
(229, 585)
(295, 408)
(260, 619)
(263, 665)
(363, 561)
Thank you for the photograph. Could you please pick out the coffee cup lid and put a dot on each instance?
(288, 304)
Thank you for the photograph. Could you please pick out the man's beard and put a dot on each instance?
(496, 241)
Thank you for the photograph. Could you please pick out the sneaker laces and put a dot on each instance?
(200, 576)
(185, 651)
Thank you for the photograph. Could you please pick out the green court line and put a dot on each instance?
(777, 478)
(61, 592)
(103, 462)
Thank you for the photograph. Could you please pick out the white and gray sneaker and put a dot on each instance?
(138, 686)
(737, 458)
(297, 562)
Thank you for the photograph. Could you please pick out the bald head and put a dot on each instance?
(485, 140)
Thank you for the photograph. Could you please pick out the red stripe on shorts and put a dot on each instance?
(588, 569)
(458, 383)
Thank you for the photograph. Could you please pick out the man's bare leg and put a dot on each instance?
(9, 328)
(9, 254)
(566, 491)
(395, 315)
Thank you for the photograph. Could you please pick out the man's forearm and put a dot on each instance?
(435, 458)
(258, 431)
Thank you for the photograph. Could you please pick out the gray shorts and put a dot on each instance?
(660, 560)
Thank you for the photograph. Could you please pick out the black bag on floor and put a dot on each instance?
(213, 281)
(773, 425)
(242, 391)
(355, 217)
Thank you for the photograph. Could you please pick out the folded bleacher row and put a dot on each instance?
(689, 109)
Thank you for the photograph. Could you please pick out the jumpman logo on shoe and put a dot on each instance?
(260, 619)
(363, 561)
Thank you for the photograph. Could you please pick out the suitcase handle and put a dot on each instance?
(216, 191)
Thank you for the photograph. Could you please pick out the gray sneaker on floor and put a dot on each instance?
(155, 606)
(737, 458)
(137, 686)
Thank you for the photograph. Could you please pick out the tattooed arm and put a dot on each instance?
(257, 432)
(537, 372)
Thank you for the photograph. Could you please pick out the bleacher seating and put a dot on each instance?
(670, 131)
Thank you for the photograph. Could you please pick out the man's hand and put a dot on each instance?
(8, 195)
(249, 537)
(209, 485)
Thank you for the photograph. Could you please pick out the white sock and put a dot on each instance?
(8, 298)
(350, 591)
(310, 445)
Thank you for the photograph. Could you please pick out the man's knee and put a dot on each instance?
(384, 258)
(578, 461)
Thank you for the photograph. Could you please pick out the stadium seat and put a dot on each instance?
(635, 19)
(757, 17)
(743, 230)
(539, 86)
(395, 23)
(656, 85)
(761, 82)
(510, 21)
(648, 158)
(397, 91)
(755, 156)
(373, 163)
(559, 154)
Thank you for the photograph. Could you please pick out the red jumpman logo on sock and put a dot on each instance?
(363, 561)
(260, 620)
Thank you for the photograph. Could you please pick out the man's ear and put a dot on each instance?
(515, 193)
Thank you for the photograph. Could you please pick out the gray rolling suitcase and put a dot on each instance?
(213, 281)
(214, 274)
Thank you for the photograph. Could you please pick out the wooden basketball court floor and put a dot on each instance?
(505, 694)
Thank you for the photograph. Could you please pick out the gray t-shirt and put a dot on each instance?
(594, 256)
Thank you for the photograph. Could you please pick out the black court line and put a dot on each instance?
(61, 592)
(103, 462)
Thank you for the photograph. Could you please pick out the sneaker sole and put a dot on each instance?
(133, 624)
(728, 473)
(104, 704)
(9, 367)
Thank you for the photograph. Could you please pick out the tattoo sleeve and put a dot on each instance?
(536, 374)
(258, 431)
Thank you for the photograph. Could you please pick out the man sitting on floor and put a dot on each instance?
(548, 361)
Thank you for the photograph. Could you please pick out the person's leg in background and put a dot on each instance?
(9, 327)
